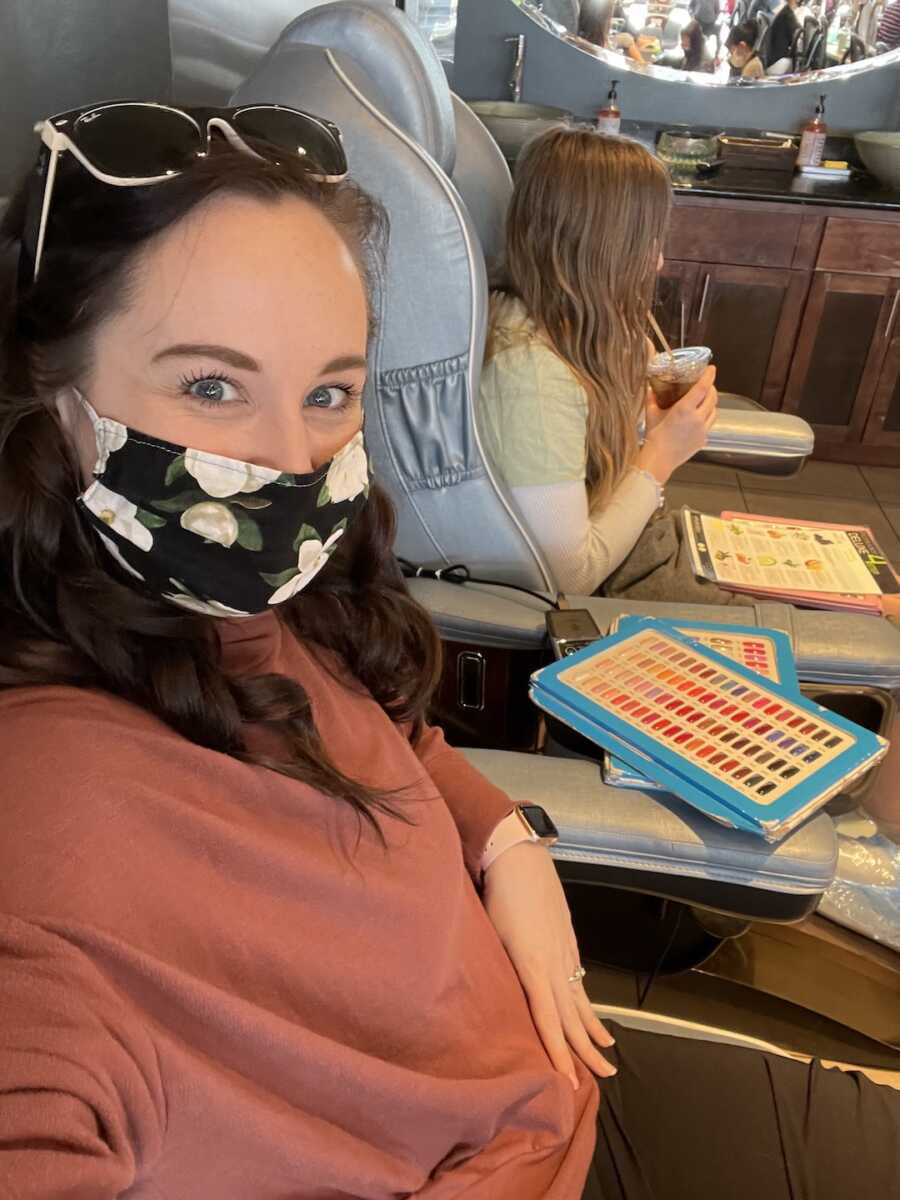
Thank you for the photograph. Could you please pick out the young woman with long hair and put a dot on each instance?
(564, 384)
(262, 933)
(693, 43)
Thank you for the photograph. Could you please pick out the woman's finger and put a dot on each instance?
(592, 1024)
(580, 1042)
(706, 382)
(710, 398)
(595, 1028)
(547, 1021)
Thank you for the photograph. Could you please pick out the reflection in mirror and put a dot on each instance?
(436, 19)
(729, 41)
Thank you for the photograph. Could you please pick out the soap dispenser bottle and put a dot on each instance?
(812, 142)
(609, 118)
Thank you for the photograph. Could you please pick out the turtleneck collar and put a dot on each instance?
(250, 645)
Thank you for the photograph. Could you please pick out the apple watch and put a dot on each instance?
(526, 823)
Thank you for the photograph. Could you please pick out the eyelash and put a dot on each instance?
(353, 394)
(187, 382)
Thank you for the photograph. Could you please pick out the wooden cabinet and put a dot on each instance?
(675, 300)
(883, 425)
(801, 308)
(840, 354)
(872, 247)
(739, 232)
(748, 316)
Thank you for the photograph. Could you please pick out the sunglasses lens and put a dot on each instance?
(135, 141)
(294, 132)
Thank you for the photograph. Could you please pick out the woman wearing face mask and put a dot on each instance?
(744, 60)
(261, 932)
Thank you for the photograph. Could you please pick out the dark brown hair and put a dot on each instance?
(67, 614)
(693, 56)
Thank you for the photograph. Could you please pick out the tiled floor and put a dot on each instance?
(821, 492)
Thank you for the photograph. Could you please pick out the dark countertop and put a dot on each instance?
(857, 192)
(860, 191)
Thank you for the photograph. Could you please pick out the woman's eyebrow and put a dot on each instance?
(204, 350)
(244, 362)
(344, 362)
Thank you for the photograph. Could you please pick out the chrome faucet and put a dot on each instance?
(515, 80)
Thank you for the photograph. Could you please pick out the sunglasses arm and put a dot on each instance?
(45, 208)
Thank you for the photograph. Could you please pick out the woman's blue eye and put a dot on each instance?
(334, 398)
(211, 390)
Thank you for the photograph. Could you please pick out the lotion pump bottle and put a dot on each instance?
(609, 118)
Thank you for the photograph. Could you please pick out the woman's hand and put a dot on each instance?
(676, 434)
(525, 901)
(653, 414)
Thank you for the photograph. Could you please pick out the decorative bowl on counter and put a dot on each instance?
(880, 152)
(688, 150)
(512, 125)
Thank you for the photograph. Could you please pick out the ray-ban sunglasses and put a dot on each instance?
(129, 143)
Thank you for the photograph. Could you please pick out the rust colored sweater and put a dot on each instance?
(202, 997)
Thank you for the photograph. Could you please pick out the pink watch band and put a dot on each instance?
(511, 830)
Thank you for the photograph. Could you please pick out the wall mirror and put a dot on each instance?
(781, 41)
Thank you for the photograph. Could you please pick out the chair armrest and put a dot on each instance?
(830, 647)
(658, 844)
(747, 436)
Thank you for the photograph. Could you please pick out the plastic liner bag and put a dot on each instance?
(865, 894)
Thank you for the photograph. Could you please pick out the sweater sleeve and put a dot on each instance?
(477, 806)
(81, 1102)
(584, 549)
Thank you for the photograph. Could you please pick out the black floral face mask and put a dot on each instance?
(213, 534)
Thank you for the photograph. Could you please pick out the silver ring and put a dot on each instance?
(577, 975)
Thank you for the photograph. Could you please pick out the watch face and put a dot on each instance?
(539, 821)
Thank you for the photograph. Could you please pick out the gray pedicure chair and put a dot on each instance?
(424, 154)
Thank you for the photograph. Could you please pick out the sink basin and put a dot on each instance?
(512, 125)
(880, 152)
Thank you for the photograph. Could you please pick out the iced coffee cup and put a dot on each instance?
(673, 375)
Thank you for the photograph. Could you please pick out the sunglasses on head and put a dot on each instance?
(132, 143)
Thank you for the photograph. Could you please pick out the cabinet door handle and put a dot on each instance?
(684, 319)
(703, 298)
(892, 318)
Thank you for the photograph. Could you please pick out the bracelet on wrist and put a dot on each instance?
(660, 490)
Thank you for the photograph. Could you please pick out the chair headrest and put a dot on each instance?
(399, 61)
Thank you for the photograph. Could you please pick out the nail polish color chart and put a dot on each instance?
(766, 651)
(706, 728)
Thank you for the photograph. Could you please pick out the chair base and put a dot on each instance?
(821, 967)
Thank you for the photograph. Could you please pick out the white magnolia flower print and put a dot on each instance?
(111, 436)
(312, 558)
(223, 477)
(118, 513)
(349, 472)
(211, 521)
(209, 608)
(117, 555)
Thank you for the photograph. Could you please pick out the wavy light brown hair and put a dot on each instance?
(68, 614)
(584, 230)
